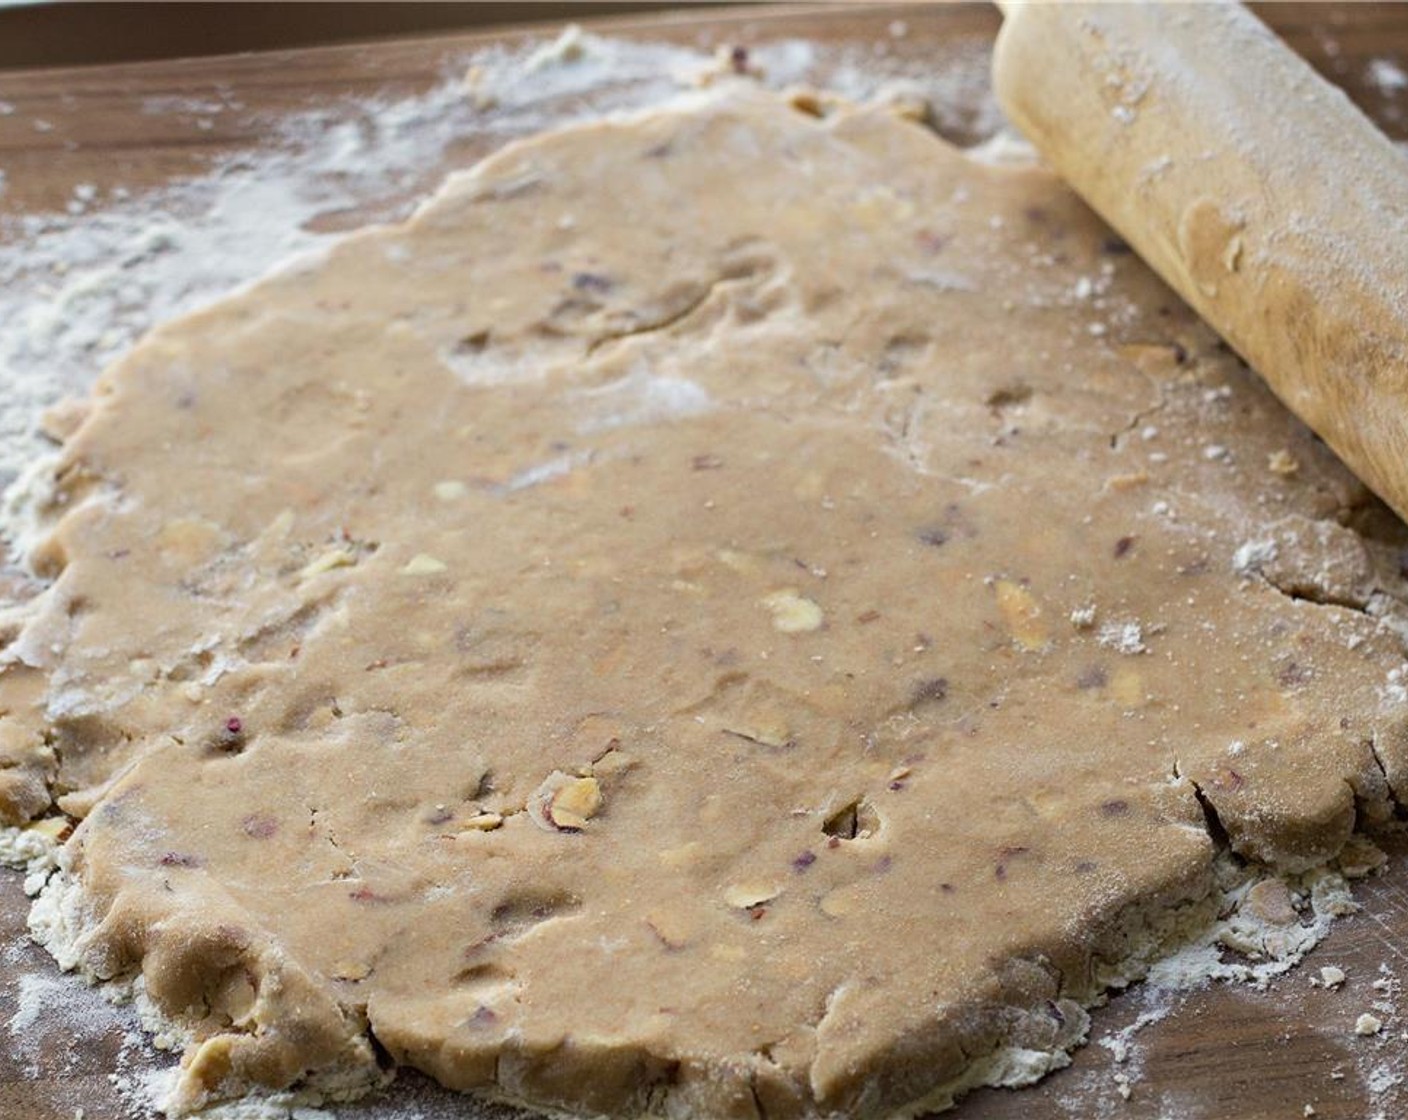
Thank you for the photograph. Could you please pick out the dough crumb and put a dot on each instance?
(1331, 976)
(1282, 463)
(792, 613)
(1252, 555)
(1083, 618)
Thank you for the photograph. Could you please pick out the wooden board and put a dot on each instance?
(1217, 1052)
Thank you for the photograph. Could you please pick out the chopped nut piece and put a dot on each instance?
(1083, 618)
(423, 565)
(1022, 614)
(1121, 482)
(564, 803)
(210, 1064)
(450, 490)
(333, 558)
(1368, 1024)
(1283, 463)
(764, 726)
(54, 828)
(792, 613)
(745, 896)
(482, 822)
(1154, 357)
(575, 803)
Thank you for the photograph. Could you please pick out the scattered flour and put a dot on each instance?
(1123, 637)
(1251, 556)
(1387, 76)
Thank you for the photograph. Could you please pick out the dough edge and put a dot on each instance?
(1177, 939)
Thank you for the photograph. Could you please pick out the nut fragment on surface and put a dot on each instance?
(482, 822)
(54, 828)
(423, 565)
(327, 561)
(745, 896)
(1022, 614)
(564, 803)
(793, 613)
(1368, 1024)
(211, 1063)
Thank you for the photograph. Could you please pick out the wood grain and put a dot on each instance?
(1218, 1052)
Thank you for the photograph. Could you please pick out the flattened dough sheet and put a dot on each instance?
(723, 613)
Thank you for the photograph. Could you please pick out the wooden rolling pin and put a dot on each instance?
(1253, 187)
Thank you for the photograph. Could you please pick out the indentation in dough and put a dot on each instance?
(857, 820)
(486, 975)
(1008, 396)
(478, 359)
(517, 913)
(275, 638)
(752, 709)
(640, 397)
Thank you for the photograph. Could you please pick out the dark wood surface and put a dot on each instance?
(1217, 1052)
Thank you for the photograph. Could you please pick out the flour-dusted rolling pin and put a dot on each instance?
(1252, 186)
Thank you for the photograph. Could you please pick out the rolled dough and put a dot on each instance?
(723, 613)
